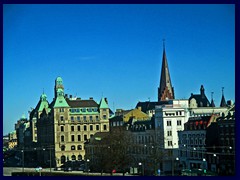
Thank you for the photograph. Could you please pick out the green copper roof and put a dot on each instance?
(103, 103)
(60, 102)
(44, 104)
(59, 80)
(43, 96)
(23, 116)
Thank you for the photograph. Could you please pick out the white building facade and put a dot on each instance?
(169, 119)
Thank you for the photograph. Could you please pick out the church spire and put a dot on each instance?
(212, 102)
(223, 102)
(165, 91)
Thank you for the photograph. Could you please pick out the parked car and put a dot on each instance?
(68, 169)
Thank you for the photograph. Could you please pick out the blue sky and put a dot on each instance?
(114, 51)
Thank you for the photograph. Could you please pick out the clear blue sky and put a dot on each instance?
(114, 51)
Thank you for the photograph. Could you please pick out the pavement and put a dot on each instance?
(7, 171)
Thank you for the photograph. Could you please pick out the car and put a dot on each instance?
(68, 169)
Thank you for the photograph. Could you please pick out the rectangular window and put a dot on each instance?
(61, 118)
(91, 127)
(169, 123)
(169, 133)
(97, 127)
(104, 116)
(97, 118)
(179, 122)
(62, 128)
(72, 118)
(79, 137)
(72, 128)
(84, 118)
(79, 128)
(84, 110)
(85, 128)
(85, 137)
(61, 109)
(90, 118)
(72, 138)
(78, 118)
(169, 143)
(89, 109)
(62, 138)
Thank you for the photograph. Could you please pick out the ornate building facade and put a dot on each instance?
(66, 124)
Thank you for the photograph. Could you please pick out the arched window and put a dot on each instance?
(63, 159)
(73, 158)
(62, 148)
(79, 157)
(79, 147)
(73, 147)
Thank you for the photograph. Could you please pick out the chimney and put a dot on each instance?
(139, 108)
(91, 98)
(66, 95)
(70, 96)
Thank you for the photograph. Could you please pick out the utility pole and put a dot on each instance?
(50, 160)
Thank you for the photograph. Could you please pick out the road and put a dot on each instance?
(7, 171)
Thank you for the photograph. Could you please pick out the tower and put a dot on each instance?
(58, 85)
(165, 91)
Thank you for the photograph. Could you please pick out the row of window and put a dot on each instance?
(73, 147)
(84, 118)
(78, 110)
(178, 113)
(169, 123)
(73, 158)
(85, 128)
(79, 138)
(194, 141)
(145, 139)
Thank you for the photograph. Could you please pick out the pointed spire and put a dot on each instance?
(223, 101)
(212, 102)
(165, 91)
(202, 91)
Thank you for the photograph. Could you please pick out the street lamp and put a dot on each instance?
(215, 161)
(43, 156)
(22, 160)
(88, 165)
(141, 164)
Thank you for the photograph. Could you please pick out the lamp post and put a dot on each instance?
(142, 169)
(43, 156)
(177, 159)
(172, 162)
(215, 161)
(87, 165)
(203, 165)
(22, 160)
(50, 160)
